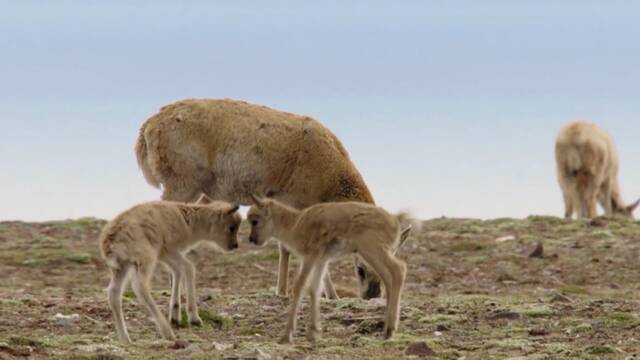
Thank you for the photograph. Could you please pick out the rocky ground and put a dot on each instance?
(538, 288)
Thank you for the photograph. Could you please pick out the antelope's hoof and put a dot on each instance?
(388, 333)
(286, 339)
(313, 335)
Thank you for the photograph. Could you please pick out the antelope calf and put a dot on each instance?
(324, 232)
(162, 231)
(587, 165)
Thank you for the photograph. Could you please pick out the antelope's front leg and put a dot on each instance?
(298, 290)
(175, 313)
(283, 272)
(318, 273)
(192, 305)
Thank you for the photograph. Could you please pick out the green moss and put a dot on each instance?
(251, 331)
(536, 311)
(600, 350)
(215, 320)
(602, 234)
(583, 328)
(439, 319)
(622, 317)
(87, 220)
(466, 246)
(25, 341)
(543, 219)
(510, 226)
(575, 290)
(9, 302)
(268, 256)
(80, 258)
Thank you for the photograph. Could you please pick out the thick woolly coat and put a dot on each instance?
(228, 149)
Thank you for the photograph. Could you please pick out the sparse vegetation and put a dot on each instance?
(579, 301)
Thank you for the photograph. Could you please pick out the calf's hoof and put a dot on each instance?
(287, 338)
(196, 321)
(388, 333)
(313, 335)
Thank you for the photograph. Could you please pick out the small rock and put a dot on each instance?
(538, 332)
(221, 347)
(377, 302)
(420, 349)
(65, 320)
(538, 252)
(505, 238)
(179, 344)
(437, 333)
(191, 349)
(557, 297)
(209, 294)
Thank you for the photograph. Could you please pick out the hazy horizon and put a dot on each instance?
(447, 109)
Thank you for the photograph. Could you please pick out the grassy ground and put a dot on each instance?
(472, 292)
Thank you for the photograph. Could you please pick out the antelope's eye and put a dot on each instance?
(232, 228)
(361, 273)
(254, 222)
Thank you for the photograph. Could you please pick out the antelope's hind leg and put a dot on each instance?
(393, 272)
(116, 287)
(141, 286)
(298, 291)
(318, 274)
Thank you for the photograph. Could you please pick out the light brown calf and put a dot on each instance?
(324, 232)
(587, 166)
(162, 231)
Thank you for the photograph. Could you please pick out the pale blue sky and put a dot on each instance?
(447, 107)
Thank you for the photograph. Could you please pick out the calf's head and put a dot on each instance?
(260, 218)
(223, 225)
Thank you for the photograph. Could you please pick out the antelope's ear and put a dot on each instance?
(232, 209)
(204, 199)
(259, 201)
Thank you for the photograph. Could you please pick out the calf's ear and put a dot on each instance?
(204, 199)
(259, 201)
(232, 209)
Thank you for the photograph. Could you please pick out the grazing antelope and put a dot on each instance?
(228, 148)
(587, 166)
